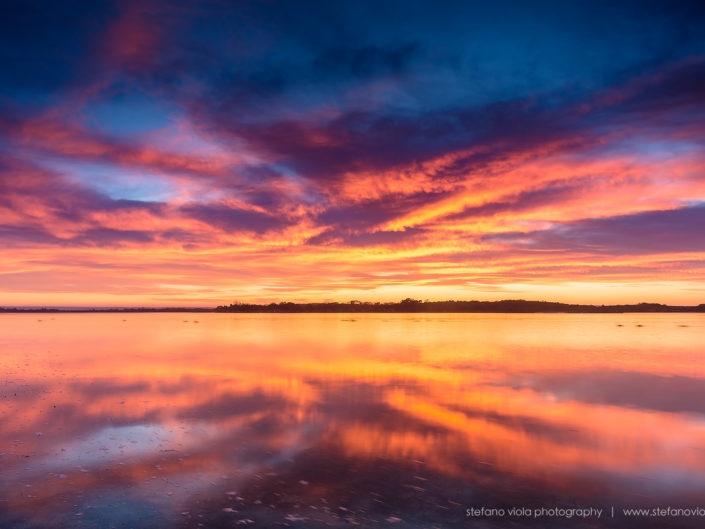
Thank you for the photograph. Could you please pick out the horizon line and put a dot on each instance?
(409, 303)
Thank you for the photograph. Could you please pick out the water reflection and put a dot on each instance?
(324, 420)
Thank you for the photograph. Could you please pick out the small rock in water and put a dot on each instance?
(229, 509)
(393, 519)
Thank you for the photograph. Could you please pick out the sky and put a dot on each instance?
(158, 153)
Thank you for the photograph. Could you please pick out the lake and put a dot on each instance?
(364, 420)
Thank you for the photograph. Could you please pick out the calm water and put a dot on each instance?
(307, 420)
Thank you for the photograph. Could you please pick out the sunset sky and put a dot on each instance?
(199, 153)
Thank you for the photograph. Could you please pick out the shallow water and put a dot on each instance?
(310, 420)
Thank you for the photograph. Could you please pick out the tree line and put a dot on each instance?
(415, 305)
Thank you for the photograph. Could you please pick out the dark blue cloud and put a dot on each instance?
(43, 46)
(678, 230)
(365, 61)
(656, 105)
(408, 80)
(232, 219)
(100, 237)
(321, 90)
(370, 214)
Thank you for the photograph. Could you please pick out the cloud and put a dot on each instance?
(42, 48)
(235, 219)
(375, 238)
(673, 394)
(365, 61)
(366, 215)
(669, 231)
(457, 145)
(548, 194)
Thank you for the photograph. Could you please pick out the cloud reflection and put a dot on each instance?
(226, 415)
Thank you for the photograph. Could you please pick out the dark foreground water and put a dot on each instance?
(307, 420)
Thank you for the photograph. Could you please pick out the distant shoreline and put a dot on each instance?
(406, 306)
